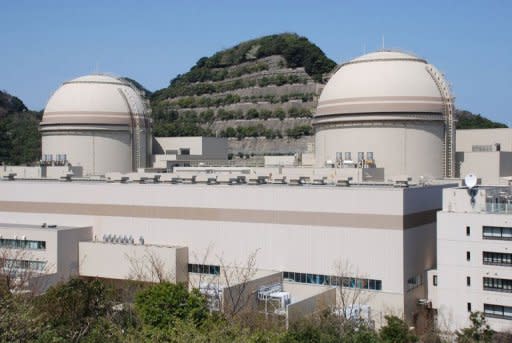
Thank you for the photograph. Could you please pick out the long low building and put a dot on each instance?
(379, 240)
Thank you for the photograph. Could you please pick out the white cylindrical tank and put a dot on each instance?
(98, 122)
(386, 107)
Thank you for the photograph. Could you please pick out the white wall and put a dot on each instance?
(98, 152)
(405, 149)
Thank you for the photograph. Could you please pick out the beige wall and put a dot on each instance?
(401, 149)
(467, 138)
(134, 262)
(98, 152)
(323, 300)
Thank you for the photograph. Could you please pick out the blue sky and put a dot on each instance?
(48, 42)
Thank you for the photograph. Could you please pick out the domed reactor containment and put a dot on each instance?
(98, 122)
(390, 110)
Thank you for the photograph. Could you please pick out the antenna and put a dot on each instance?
(382, 42)
(470, 180)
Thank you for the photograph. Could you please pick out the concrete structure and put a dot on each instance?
(387, 109)
(474, 258)
(170, 152)
(129, 261)
(485, 152)
(42, 254)
(98, 122)
(386, 234)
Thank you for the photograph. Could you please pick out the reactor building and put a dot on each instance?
(387, 109)
(97, 122)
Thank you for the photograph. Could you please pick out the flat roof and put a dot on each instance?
(49, 227)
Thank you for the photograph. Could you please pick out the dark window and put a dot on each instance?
(22, 244)
(434, 280)
(204, 269)
(184, 151)
(468, 256)
(497, 258)
(496, 232)
(468, 230)
(468, 281)
(330, 280)
(497, 285)
(498, 311)
(469, 307)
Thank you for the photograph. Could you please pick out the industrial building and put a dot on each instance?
(109, 201)
(474, 258)
(387, 109)
(382, 236)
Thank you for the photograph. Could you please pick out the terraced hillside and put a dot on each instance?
(265, 88)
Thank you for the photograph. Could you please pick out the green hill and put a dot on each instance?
(20, 140)
(235, 92)
(468, 120)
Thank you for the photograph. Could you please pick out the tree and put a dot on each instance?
(72, 309)
(161, 305)
(479, 331)
(396, 331)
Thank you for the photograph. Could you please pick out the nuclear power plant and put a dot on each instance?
(375, 210)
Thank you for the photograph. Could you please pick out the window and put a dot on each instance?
(497, 258)
(434, 280)
(468, 231)
(348, 156)
(498, 311)
(339, 156)
(320, 279)
(495, 232)
(24, 264)
(369, 155)
(469, 307)
(22, 244)
(414, 282)
(184, 151)
(468, 281)
(468, 256)
(204, 269)
(497, 285)
(360, 156)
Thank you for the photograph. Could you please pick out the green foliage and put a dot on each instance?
(396, 331)
(299, 131)
(479, 331)
(468, 120)
(10, 104)
(73, 309)
(20, 140)
(162, 305)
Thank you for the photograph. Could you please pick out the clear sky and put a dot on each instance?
(45, 43)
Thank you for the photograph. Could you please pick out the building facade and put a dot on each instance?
(474, 258)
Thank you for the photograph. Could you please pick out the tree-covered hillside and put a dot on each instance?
(20, 140)
(235, 92)
(468, 120)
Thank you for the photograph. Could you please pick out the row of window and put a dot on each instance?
(330, 280)
(204, 269)
(494, 284)
(498, 311)
(496, 232)
(24, 264)
(497, 258)
(22, 244)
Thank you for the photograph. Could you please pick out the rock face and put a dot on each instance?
(267, 87)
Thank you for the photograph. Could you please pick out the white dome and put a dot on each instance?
(94, 100)
(381, 82)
